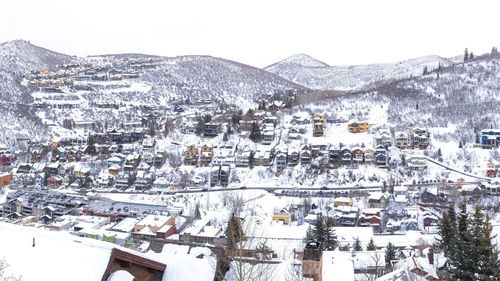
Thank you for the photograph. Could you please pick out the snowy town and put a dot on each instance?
(262, 141)
(160, 180)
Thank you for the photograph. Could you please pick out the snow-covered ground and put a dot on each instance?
(62, 256)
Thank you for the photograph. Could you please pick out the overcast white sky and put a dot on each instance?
(258, 32)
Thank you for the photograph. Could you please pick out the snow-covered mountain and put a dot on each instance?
(18, 58)
(214, 78)
(314, 74)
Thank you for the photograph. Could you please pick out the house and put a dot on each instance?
(283, 216)
(159, 159)
(191, 156)
(381, 157)
(416, 163)
(492, 188)
(263, 157)
(161, 183)
(430, 219)
(54, 181)
(401, 139)
(225, 173)
(293, 157)
(358, 127)
(394, 157)
(369, 156)
(268, 133)
(200, 231)
(429, 195)
(242, 158)
(5, 179)
(206, 155)
(370, 217)
(281, 157)
(188, 127)
(318, 125)
(214, 175)
(211, 130)
(305, 154)
(346, 156)
(408, 225)
(420, 138)
(377, 200)
(153, 222)
(143, 180)
(220, 175)
(53, 168)
(300, 119)
(492, 169)
(383, 139)
(490, 138)
(342, 201)
(357, 155)
(334, 156)
(420, 268)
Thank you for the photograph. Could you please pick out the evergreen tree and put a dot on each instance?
(425, 70)
(255, 135)
(207, 118)
(320, 229)
(494, 50)
(489, 253)
(91, 150)
(460, 145)
(197, 213)
(200, 128)
(151, 129)
(446, 232)
(416, 107)
(390, 254)
(461, 263)
(466, 54)
(471, 56)
(357, 245)
(225, 138)
(234, 232)
(330, 237)
(229, 130)
(371, 245)
(236, 117)
(251, 159)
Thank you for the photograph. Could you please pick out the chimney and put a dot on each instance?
(430, 256)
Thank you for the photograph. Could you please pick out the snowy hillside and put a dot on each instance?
(18, 58)
(309, 72)
(214, 78)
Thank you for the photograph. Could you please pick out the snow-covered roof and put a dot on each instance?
(337, 266)
(154, 220)
(126, 225)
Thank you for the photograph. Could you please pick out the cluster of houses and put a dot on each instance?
(45, 206)
(51, 81)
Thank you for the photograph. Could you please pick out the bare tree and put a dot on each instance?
(3, 277)
(245, 260)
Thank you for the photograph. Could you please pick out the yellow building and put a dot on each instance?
(283, 216)
(358, 127)
(318, 125)
(343, 201)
